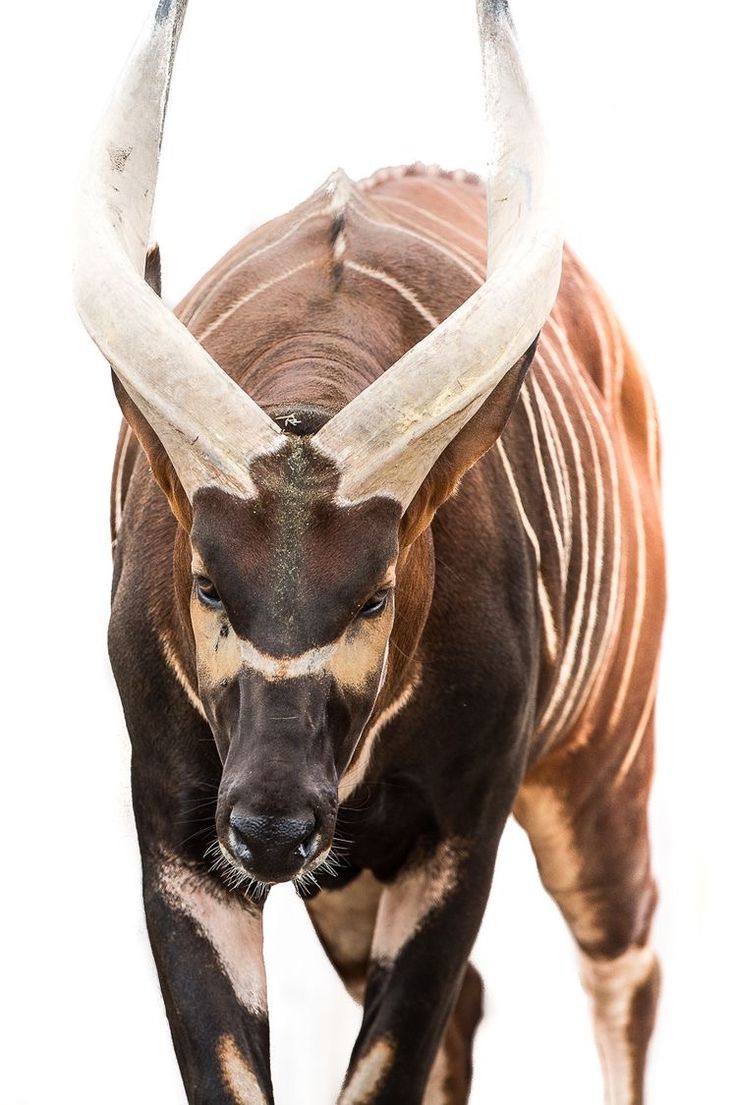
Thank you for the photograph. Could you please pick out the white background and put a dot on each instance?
(267, 100)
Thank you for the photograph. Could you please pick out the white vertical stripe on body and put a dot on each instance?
(640, 730)
(591, 614)
(619, 363)
(550, 633)
(593, 304)
(242, 262)
(559, 466)
(402, 289)
(241, 302)
(565, 672)
(640, 599)
(640, 584)
(478, 216)
(432, 238)
(592, 684)
(477, 239)
(471, 270)
(545, 484)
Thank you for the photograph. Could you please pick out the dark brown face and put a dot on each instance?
(292, 605)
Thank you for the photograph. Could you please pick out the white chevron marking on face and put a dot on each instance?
(352, 659)
(355, 659)
(311, 662)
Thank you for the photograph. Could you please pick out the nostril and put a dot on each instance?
(304, 847)
(239, 834)
(265, 840)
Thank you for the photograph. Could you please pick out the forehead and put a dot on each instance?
(291, 563)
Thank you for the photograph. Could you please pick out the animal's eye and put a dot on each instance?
(374, 606)
(207, 592)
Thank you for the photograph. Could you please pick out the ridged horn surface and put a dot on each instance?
(208, 426)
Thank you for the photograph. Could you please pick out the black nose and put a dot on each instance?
(273, 848)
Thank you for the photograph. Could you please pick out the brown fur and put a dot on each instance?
(310, 342)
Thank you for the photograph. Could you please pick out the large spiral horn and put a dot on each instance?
(386, 439)
(208, 426)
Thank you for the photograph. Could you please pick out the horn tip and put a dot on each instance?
(170, 13)
(163, 11)
(493, 12)
(493, 8)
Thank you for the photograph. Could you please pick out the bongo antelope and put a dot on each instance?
(387, 568)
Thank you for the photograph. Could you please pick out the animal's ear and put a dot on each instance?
(153, 269)
(161, 466)
(476, 438)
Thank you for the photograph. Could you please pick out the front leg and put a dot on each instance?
(208, 950)
(427, 920)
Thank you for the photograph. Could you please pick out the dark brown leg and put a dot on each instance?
(450, 1077)
(345, 922)
(208, 950)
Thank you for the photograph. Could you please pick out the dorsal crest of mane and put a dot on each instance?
(311, 307)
